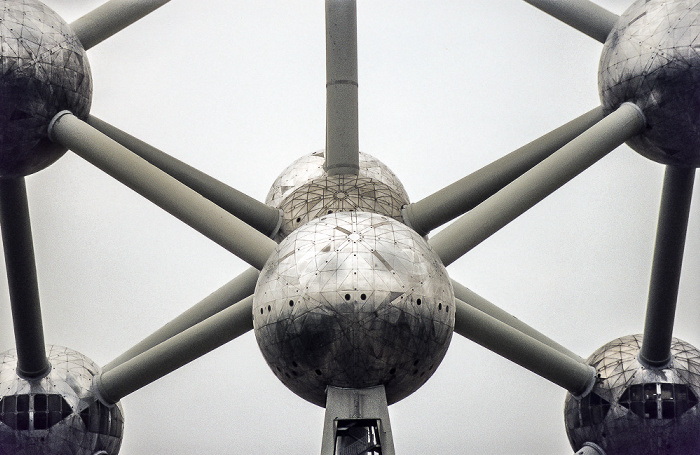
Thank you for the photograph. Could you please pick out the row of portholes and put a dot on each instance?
(293, 373)
(363, 297)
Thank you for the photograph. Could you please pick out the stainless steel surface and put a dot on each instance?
(575, 376)
(58, 414)
(43, 70)
(465, 194)
(304, 191)
(342, 133)
(536, 184)
(651, 59)
(175, 352)
(583, 15)
(357, 421)
(353, 300)
(111, 17)
(163, 190)
(634, 410)
(669, 247)
(23, 284)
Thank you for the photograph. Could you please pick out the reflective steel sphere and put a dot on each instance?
(650, 58)
(59, 414)
(304, 191)
(634, 410)
(43, 70)
(353, 300)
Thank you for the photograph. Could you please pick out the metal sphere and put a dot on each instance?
(634, 410)
(43, 71)
(58, 414)
(304, 191)
(650, 58)
(353, 300)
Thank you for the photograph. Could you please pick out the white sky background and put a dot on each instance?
(237, 89)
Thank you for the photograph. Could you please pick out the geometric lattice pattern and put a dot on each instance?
(339, 193)
(628, 397)
(651, 59)
(310, 167)
(56, 415)
(353, 300)
(43, 70)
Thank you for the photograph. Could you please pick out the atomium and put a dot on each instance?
(650, 58)
(352, 297)
(353, 300)
(634, 409)
(58, 414)
(44, 70)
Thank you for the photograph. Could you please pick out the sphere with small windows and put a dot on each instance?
(353, 300)
(43, 70)
(651, 59)
(633, 410)
(304, 191)
(58, 414)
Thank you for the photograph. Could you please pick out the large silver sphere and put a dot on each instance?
(304, 191)
(353, 300)
(59, 414)
(43, 70)
(650, 58)
(634, 410)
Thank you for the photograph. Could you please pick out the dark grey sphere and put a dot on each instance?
(634, 410)
(651, 59)
(43, 71)
(58, 414)
(353, 300)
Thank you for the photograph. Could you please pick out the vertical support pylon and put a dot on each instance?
(357, 422)
(342, 136)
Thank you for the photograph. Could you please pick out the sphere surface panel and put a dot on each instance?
(43, 70)
(58, 414)
(310, 167)
(339, 193)
(353, 300)
(651, 59)
(636, 410)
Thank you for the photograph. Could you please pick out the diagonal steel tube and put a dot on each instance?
(262, 217)
(229, 294)
(161, 189)
(110, 18)
(666, 266)
(342, 137)
(576, 377)
(536, 184)
(583, 15)
(166, 357)
(22, 279)
(471, 298)
(465, 194)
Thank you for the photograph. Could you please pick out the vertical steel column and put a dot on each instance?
(22, 279)
(163, 190)
(583, 15)
(347, 405)
(666, 266)
(576, 377)
(168, 356)
(465, 194)
(110, 18)
(537, 183)
(342, 136)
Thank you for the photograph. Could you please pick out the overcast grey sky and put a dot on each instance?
(237, 89)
